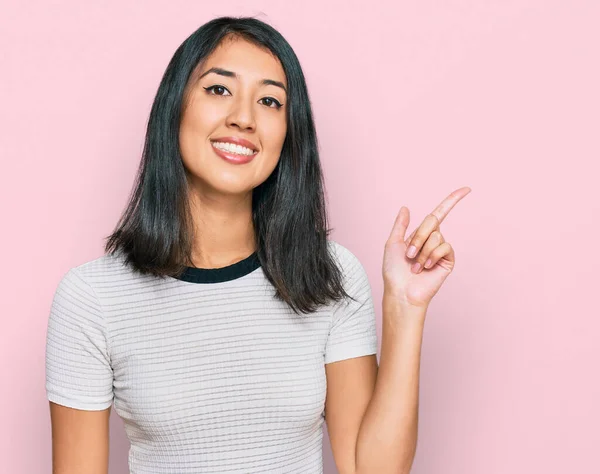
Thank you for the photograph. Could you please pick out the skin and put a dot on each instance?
(414, 286)
(80, 440)
(221, 193)
(371, 410)
(361, 407)
(221, 199)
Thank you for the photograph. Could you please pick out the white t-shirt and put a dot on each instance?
(209, 372)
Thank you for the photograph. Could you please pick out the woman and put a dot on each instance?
(221, 318)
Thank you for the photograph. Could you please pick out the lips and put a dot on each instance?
(237, 141)
(230, 156)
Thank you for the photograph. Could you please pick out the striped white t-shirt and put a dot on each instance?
(209, 372)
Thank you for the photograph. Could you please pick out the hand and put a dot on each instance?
(401, 282)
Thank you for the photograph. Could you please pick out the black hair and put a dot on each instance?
(155, 232)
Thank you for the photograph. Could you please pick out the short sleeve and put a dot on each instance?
(78, 370)
(353, 331)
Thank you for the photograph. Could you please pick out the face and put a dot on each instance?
(238, 95)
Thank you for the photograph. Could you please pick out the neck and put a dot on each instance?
(223, 229)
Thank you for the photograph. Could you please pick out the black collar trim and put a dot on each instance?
(218, 275)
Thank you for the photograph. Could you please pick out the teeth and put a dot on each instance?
(231, 148)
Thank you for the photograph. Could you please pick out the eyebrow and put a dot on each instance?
(226, 73)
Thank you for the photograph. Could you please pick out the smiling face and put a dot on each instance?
(238, 94)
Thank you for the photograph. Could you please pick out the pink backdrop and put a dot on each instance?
(412, 100)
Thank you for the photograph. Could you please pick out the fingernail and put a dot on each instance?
(412, 251)
(416, 267)
(428, 263)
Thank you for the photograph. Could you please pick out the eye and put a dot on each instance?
(216, 90)
(270, 102)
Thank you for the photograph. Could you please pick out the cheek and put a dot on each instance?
(273, 136)
(203, 116)
(198, 121)
(276, 129)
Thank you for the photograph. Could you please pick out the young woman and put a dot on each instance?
(222, 322)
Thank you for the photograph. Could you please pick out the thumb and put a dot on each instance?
(400, 226)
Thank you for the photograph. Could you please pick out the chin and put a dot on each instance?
(231, 185)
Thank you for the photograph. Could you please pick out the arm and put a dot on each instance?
(79, 379)
(79, 440)
(387, 440)
(372, 413)
(387, 437)
(350, 385)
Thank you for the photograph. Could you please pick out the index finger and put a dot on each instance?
(447, 204)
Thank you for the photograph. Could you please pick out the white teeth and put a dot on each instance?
(231, 148)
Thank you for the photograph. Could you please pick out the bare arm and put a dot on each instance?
(79, 440)
(350, 385)
(387, 440)
(372, 412)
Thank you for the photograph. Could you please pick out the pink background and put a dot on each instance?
(412, 100)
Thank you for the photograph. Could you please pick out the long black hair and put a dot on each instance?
(155, 232)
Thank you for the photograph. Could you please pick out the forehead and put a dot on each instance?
(246, 59)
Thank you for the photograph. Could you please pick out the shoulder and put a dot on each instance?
(93, 275)
(341, 252)
(105, 266)
(349, 262)
(86, 290)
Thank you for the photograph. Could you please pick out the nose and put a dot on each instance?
(241, 114)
